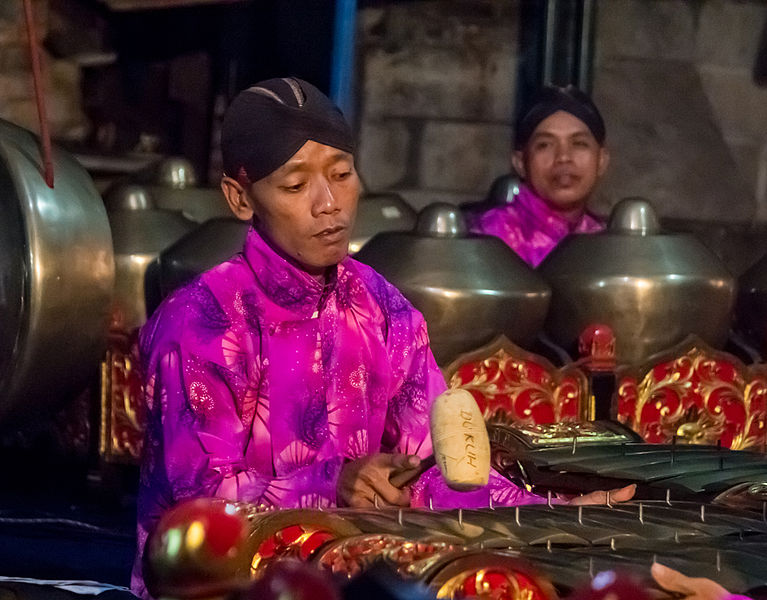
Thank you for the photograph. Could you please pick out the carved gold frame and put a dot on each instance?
(691, 358)
(501, 354)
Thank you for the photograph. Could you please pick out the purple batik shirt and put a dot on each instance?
(261, 382)
(530, 226)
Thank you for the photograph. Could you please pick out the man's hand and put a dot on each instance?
(365, 482)
(693, 588)
(600, 497)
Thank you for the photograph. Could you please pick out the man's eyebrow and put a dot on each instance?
(340, 156)
(549, 134)
(542, 134)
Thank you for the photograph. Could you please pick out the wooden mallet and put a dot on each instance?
(460, 442)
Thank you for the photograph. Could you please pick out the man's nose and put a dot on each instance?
(563, 152)
(324, 200)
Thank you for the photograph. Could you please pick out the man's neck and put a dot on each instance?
(572, 215)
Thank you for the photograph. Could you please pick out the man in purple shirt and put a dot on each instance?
(292, 375)
(560, 155)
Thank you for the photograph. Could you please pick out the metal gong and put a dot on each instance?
(56, 278)
(470, 288)
(140, 231)
(652, 288)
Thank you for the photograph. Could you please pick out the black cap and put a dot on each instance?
(268, 123)
(551, 99)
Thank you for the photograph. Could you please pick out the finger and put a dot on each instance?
(623, 494)
(390, 495)
(599, 497)
(400, 462)
(360, 501)
(670, 580)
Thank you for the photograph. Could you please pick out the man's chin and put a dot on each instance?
(567, 202)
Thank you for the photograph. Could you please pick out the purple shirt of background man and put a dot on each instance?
(260, 383)
(530, 226)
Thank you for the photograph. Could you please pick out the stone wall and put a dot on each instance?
(436, 89)
(61, 77)
(686, 121)
(687, 126)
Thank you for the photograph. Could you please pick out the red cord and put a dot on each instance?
(37, 79)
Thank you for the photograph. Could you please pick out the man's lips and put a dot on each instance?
(331, 234)
(565, 179)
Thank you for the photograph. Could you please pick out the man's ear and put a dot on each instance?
(236, 198)
(518, 162)
(604, 161)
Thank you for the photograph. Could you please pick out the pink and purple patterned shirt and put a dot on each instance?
(530, 226)
(260, 382)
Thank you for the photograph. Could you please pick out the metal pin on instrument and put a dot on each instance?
(460, 518)
(548, 499)
(580, 514)
(516, 516)
(703, 513)
(575, 443)
(548, 545)
(718, 561)
(591, 567)
(607, 500)
(431, 504)
(676, 536)
(668, 497)
(612, 544)
(641, 513)
(375, 502)
(490, 502)
(399, 517)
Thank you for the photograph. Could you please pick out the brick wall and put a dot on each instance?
(437, 88)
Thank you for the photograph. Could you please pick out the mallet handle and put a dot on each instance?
(404, 478)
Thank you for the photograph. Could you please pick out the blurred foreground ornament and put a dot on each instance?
(200, 548)
(652, 289)
(470, 288)
(292, 580)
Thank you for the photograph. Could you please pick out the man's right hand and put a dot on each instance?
(365, 482)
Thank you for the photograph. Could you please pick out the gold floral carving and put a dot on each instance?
(504, 378)
(122, 424)
(698, 396)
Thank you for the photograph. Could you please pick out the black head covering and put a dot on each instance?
(551, 99)
(268, 123)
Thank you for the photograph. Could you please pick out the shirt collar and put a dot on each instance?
(547, 219)
(283, 282)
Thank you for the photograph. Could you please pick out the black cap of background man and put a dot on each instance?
(269, 122)
(551, 99)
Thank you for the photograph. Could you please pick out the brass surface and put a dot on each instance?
(56, 278)
(470, 288)
(651, 288)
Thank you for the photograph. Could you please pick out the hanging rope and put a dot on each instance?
(37, 80)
